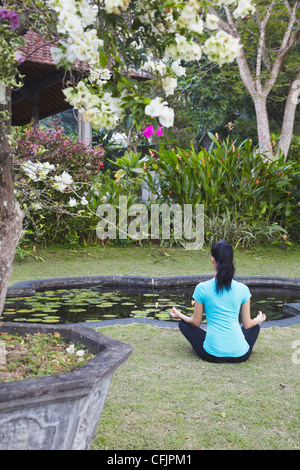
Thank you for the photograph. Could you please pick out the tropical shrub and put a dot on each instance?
(53, 180)
(253, 198)
(247, 199)
(51, 144)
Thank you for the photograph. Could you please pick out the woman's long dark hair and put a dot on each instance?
(223, 254)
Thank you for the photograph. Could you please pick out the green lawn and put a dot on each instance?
(151, 261)
(164, 397)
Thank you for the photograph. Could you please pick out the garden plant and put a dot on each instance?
(247, 199)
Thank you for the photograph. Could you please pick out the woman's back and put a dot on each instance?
(224, 335)
(221, 298)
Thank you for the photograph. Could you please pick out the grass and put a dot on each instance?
(164, 397)
(151, 261)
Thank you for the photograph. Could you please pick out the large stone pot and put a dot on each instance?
(60, 411)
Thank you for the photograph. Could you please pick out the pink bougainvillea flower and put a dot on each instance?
(149, 131)
(14, 20)
(20, 58)
(12, 15)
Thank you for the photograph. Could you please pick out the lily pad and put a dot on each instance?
(138, 313)
(163, 316)
(76, 310)
(25, 310)
(50, 321)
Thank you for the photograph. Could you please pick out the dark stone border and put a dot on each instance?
(61, 411)
(28, 288)
(109, 354)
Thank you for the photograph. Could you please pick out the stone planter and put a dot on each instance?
(59, 412)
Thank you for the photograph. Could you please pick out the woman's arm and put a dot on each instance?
(248, 322)
(196, 319)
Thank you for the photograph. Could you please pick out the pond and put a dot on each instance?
(103, 303)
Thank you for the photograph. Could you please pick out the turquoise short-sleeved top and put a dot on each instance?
(224, 337)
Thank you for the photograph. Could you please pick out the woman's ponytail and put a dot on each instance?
(223, 255)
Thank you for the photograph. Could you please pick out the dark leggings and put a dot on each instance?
(196, 337)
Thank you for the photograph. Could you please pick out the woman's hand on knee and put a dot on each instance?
(175, 313)
(261, 317)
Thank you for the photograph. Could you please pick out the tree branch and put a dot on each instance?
(278, 61)
(262, 44)
(289, 9)
(289, 114)
(290, 26)
(245, 72)
(285, 47)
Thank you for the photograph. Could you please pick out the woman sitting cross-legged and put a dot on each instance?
(222, 297)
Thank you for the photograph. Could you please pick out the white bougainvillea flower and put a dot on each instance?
(37, 171)
(160, 109)
(169, 84)
(222, 48)
(84, 201)
(72, 202)
(212, 21)
(177, 68)
(243, 9)
(62, 181)
(70, 349)
(115, 6)
(80, 353)
(220, 3)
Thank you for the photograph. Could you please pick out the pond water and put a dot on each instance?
(102, 303)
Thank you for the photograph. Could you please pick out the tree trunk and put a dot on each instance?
(263, 130)
(10, 213)
(260, 103)
(289, 116)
